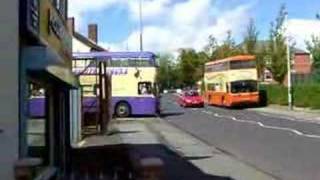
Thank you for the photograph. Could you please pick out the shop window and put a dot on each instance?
(37, 122)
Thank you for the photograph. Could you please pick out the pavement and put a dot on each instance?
(283, 145)
(184, 156)
(297, 114)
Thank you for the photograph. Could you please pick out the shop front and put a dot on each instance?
(46, 79)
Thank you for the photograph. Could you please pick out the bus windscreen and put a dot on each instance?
(244, 86)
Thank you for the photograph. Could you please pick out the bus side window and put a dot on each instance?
(144, 88)
(211, 87)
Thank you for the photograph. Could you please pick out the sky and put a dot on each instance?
(169, 25)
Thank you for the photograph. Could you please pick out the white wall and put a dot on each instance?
(9, 66)
(75, 98)
(78, 46)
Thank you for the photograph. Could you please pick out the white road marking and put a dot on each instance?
(288, 118)
(207, 112)
(294, 131)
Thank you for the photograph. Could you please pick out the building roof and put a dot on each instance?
(88, 42)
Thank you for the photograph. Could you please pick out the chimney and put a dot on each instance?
(70, 24)
(93, 32)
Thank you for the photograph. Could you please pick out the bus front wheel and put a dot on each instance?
(123, 109)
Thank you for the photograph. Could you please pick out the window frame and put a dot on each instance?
(61, 7)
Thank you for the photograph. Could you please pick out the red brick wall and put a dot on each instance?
(302, 64)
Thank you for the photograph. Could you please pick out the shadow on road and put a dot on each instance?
(175, 166)
(107, 161)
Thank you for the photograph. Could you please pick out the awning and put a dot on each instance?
(39, 58)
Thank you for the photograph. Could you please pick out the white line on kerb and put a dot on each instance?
(267, 126)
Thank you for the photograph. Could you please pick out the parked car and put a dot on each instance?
(190, 99)
(172, 91)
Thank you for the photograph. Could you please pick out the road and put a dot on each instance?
(285, 147)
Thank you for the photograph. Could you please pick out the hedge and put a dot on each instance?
(304, 95)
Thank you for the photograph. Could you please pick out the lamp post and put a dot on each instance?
(290, 105)
(141, 25)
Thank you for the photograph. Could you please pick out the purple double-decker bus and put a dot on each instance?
(133, 81)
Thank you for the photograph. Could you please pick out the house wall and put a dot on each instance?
(301, 69)
(75, 98)
(9, 104)
(78, 46)
(302, 64)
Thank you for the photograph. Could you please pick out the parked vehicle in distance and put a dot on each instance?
(172, 91)
(190, 99)
(178, 91)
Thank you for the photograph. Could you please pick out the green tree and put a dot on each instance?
(211, 47)
(251, 46)
(226, 49)
(190, 66)
(250, 39)
(314, 48)
(277, 47)
(166, 76)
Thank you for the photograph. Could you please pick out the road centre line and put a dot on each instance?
(207, 112)
(294, 131)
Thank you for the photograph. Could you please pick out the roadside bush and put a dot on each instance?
(276, 94)
(304, 95)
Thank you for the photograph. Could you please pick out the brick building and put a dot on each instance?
(301, 67)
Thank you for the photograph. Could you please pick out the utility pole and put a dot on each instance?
(141, 25)
(290, 105)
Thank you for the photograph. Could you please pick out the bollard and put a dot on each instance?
(151, 169)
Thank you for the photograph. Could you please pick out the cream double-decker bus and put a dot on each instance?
(232, 81)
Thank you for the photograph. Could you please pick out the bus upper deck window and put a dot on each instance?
(242, 64)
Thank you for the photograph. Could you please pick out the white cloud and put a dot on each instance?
(301, 30)
(78, 8)
(151, 9)
(191, 12)
(187, 24)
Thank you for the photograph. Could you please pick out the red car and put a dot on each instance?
(190, 99)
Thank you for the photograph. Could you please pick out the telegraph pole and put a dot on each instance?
(290, 105)
(141, 25)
